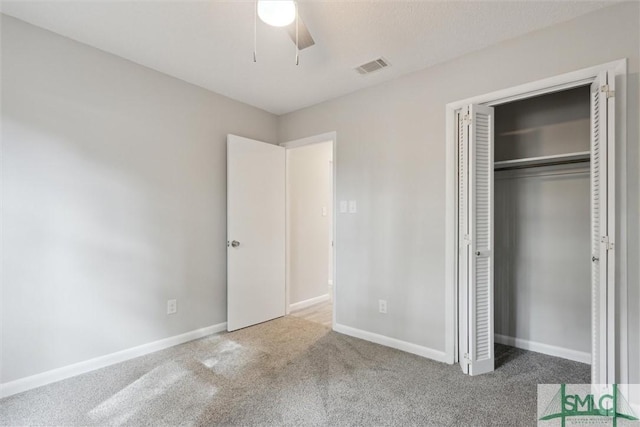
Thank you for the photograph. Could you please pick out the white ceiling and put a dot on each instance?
(210, 43)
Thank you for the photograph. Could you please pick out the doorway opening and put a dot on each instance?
(542, 232)
(310, 292)
(476, 280)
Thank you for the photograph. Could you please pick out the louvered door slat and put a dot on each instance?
(603, 230)
(463, 230)
(596, 159)
(481, 230)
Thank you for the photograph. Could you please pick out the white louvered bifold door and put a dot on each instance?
(480, 289)
(463, 236)
(603, 228)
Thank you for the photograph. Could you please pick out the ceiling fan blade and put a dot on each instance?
(304, 37)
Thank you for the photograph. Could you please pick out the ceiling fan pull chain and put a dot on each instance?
(297, 49)
(255, 30)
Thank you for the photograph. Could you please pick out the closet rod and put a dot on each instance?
(534, 162)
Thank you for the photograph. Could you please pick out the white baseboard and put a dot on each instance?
(429, 353)
(54, 375)
(309, 302)
(551, 350)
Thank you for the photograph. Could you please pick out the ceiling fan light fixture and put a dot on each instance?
(278, 13)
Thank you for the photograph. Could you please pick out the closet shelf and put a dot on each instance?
(531, 162)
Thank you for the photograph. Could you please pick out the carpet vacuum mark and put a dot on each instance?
(290, 371)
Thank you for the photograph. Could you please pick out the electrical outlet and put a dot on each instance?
(353, 207)
(172, 306)
(343, 206)
(382, 306)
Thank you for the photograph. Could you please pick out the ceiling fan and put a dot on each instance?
(283, 13)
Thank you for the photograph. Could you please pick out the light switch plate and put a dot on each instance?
(343, 206)
(353, 208)
(324, 211)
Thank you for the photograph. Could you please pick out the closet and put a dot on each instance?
(542, 225)
(535, 222)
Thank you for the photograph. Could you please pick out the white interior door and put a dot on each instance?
(476, 260)
(255, 232)
(603, 228)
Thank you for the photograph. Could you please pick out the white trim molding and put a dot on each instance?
(540, 87)
(309, 302)
(55, 375)
(429, 353)
(551, 350)
(315, 139)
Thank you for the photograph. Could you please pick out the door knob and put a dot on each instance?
(235, 243)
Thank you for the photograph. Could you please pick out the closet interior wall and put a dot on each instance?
(542, 224)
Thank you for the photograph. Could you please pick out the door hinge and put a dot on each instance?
(466, 119)
(608, 245)
(466, 239)
(609, 93)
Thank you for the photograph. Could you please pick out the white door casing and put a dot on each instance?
(255, 232)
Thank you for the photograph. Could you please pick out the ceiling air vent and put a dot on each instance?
(375, 65)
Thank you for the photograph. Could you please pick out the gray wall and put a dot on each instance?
(543, 224)
(114, 200)
(308, 191)
(391, 158)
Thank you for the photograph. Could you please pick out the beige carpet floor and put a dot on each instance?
(318, 313)
(293, 372)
